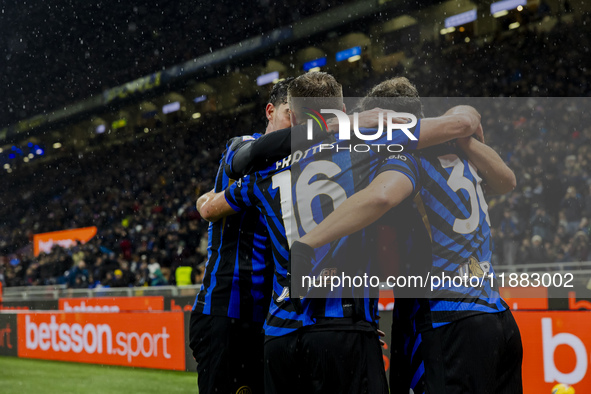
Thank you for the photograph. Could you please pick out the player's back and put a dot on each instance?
(450, 215)
(238, 272)
(294, 195)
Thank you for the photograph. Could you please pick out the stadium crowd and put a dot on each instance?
(104, 44)
(141, 194)
(546, 219)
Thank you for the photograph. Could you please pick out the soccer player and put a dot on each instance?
(301, 345)
(316, 349)
(457, 339)
(226, 334)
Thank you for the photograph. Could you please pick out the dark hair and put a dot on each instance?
(315, 84)
(278, 94)
(315, 90)
(396, 94)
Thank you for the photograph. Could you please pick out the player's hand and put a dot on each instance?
(479, 134)
(464, 143)
(382, 334)
(301, 257)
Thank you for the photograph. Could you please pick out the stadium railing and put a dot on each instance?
(581, 267)
(30, 293)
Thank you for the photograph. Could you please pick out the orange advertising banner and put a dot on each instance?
(386, 301)
(112, 304)
(556, 349)
(525, 298)
(67, 238)
(148, 339)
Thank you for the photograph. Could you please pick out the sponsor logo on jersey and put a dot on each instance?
(284, 294)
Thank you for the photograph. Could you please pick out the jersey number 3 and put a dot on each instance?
(457, 181)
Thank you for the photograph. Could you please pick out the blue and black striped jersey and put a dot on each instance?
(294, 195)
(238, 273)
(451, 218)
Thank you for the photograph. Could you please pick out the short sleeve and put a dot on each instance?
(239, 194)
(403, 163)
(233, 146)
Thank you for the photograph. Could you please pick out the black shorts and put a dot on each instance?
(229, 354)
(327, 361)
(481, 354)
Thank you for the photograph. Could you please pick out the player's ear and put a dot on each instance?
(292, 118)
(344, 108)
(270, 111)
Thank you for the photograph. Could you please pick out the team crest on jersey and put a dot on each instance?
(474, 268)
(244, 390)
(284, 294)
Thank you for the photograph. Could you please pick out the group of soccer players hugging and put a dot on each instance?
(282, 205)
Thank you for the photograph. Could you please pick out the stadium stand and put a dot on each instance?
(141, 193)
(108, 43)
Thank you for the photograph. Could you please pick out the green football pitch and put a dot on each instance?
(25, 376)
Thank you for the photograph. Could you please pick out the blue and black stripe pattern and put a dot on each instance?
(318, 180)
(238, 272)
(453, 214)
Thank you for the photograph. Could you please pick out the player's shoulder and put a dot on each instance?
(273, 169)
(264, 177)
(404, 158)
(445, 155)
(234, 142)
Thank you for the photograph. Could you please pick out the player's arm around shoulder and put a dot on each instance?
(458, 122)
(392, 185)
(213, 206)
(237, 146)
(387, 190)
(252, 154)
(498, 177)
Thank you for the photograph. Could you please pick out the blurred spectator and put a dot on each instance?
(77, 253)
(573, 206)
(588, 203)
(541, 224)
(183, 275)
(579, 248)
(142, 275)
(78, 276)
(509, 234)
(524, 253)
(109, 280)
(118, 280)
(156, 277)
(538, 251)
